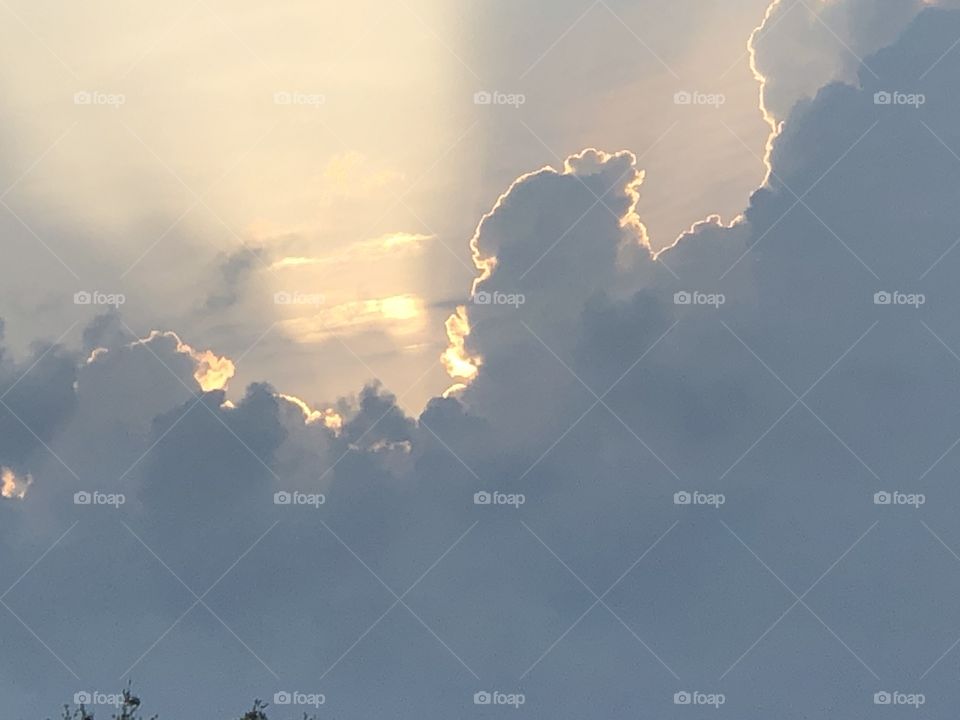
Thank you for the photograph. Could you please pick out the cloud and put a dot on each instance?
(235, 270)
(380, 248)
(13, 487)
(396, 314)
(211, 372)
(800, 47)
(785, 362)
(37, 395)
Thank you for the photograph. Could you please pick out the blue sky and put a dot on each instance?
(524, 446)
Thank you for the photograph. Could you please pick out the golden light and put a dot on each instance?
(12, 487)
(456, 360)
(289, 262)
(396, 315)
(212, 371)
(775, 125)
(329, 417)
(400, 307)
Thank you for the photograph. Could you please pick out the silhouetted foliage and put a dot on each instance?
(130, 710)
(257, 712)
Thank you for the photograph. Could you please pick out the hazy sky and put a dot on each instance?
(596, 355)
(195, 159)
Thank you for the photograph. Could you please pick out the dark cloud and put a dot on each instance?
(235, 270)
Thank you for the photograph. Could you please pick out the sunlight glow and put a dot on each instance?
(456, 360)
(775, 126)
(396, 315)
(330, 418)
(212, 372)
(12, 487)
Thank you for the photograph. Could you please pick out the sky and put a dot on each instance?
(362, 191)
(569, 359)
